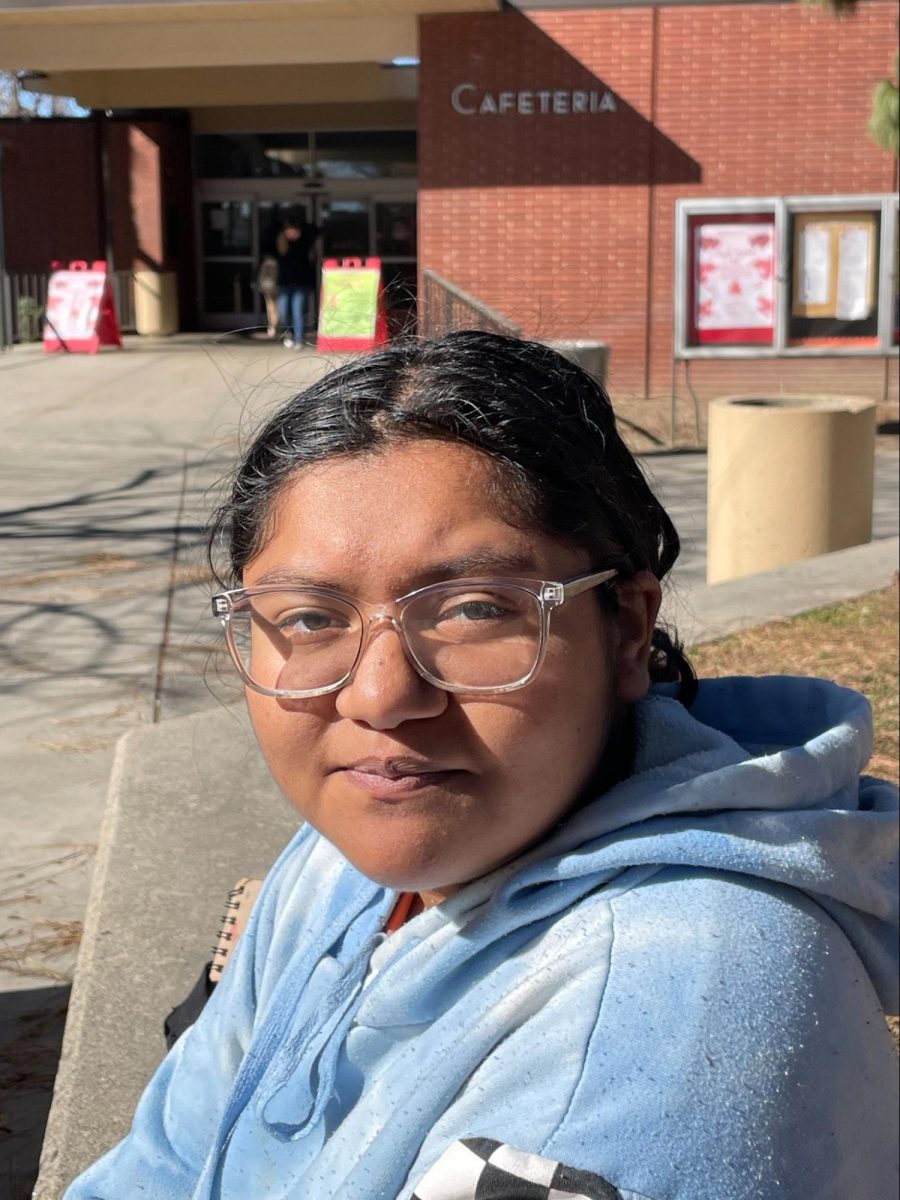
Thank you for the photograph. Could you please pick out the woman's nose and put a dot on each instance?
(386, 689)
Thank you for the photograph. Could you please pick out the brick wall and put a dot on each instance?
(151, 201)
(53, 196)
(566, 222)
(136, 200)
(51, 192)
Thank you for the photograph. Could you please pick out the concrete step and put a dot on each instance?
(705, 612)
(191, 809)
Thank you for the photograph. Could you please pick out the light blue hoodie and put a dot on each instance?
(678, 990)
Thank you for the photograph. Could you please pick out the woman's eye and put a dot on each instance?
(474, 610)
(310, 621)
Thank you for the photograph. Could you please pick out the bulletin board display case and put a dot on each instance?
(794, 275)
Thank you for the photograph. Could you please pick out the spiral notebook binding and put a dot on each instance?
(232, 924)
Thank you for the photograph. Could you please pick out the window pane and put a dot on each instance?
(833, 275)
(368, 154)
(227, 227)
(345, 229)
(399, 281)
(252, 155)
(731, 279)
(395, 228)
(228, 287)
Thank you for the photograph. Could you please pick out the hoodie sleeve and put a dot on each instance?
(739, 1053)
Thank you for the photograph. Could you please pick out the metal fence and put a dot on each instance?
(23, 298)
(445, 307)
(6, 333)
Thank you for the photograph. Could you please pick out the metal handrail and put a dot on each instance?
(446, 306)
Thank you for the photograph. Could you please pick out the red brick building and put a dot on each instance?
(567, 220)
(579, 169)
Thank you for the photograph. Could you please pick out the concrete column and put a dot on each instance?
(788, 478)
(156, 303)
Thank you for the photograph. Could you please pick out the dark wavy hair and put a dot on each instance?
(546, 424)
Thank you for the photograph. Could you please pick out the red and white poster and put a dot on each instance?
(81, 313)
(734, 282)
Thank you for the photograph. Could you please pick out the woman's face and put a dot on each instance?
(489, 773)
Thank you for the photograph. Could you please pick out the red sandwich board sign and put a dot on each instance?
(81, 312)
(351, 305)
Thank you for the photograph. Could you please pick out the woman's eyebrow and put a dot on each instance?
(479, 562)
(473, 564)
(293, 577)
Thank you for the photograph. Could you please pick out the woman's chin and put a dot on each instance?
(420, 841)
(403, 876)
(407, 868)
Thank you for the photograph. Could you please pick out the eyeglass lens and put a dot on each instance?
(482, 637)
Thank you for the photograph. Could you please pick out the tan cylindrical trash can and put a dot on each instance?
(788, 478)
(592, 356)
(156, 303)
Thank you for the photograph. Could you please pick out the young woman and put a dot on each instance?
(296, 276)
(558, 922)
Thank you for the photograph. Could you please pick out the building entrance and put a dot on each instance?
(237, 229)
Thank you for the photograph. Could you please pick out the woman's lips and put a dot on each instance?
(395, 785)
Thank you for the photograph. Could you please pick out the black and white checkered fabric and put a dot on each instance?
(482, 1169)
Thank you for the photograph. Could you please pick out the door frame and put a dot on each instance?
(207, 319)
(312, 196)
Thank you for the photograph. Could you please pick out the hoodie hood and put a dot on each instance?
(763, 777)
(760, 778)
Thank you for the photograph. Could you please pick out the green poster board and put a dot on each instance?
(349, 303)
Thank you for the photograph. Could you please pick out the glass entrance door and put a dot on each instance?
(228, 263)
(237, 232)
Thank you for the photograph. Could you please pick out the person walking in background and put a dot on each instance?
(267, 286)
(296, 276)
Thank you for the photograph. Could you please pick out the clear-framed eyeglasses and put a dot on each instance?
(467, 635)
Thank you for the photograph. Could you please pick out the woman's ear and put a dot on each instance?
(639, 601)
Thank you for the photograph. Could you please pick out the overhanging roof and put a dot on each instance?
(102, 9)
(68, 36)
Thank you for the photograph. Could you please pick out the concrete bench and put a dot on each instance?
(191, 809)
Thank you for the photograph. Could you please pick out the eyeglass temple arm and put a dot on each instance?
(583, 583)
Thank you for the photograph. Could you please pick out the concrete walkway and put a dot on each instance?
(110, 468)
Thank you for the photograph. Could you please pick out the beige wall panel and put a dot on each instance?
(101, 12)
(353, 83)
(69, 47)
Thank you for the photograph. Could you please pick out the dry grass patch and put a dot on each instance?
(856, 644)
